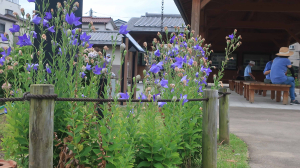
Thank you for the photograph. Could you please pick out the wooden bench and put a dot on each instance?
(239, 85)
(250, 88)
(231, 84)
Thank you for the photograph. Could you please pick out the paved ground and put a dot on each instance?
(273, 135)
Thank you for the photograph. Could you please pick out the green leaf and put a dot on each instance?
(146, 150)
(158, 158)
(22, 140)
(158, 165)
(144, 164)
(85, 151)
(79, 128)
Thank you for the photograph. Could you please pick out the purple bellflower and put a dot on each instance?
(155, 68)
(143, 97)
(231, 36)
(45, 23)
(48, 15)
(24, 41)
(191, 61)
(51, 29)
(5, 110)
(200, 89)
(164, 83)
(6, 52)
(35, 66)
(130, 112)
(197, 74)
(157, 53)
(97, 70)
(72, 19)
(3, 38)
(84, 37)
(199, 48)
(88, 67)
(178, 63)
(31, 0)
(34, 34)
(155, 97)
(173, 52)
(16, 28)
(161, 104)
(183, 44)
(184, 78)
(123, 29)
(124, 95)
(184, 98)
(82, 74)
(2, 60)
(172, 39)
(48, 70)
(36, 19)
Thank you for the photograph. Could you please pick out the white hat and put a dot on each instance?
(252, 62)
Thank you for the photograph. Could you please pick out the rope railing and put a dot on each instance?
(27, 96)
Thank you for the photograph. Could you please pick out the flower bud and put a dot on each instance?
(1, 71)
(59, 5)
(77, 4)
(104, 70)
(20, 52)
(172, 85)
(145, 44)
(22, 11)
(44, 37)
(16, 63)
(9, 67)
(92, 61)
(174, 98)
(200, 108)
(69, 32)
(138, 77)
(28, 15)
(144, 72)
(149, 97)
(122, 47)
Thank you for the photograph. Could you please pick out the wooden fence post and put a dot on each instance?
(209, 126)
(41, 127)
(223, 117)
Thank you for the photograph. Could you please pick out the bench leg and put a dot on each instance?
(278, 96)
(251, 96)
(256, 91)
(247, 94)
(241, 89)
(264, 93)
(285, 97)
(272, 94)
(245, 91)
(260, 92)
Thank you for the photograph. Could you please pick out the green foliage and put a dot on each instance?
(136, 135)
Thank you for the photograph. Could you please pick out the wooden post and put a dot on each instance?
(209, 126)
(41, 127)
(285, 100)
(224, 117)
(251, 95)
(135, 68)
(195, 18)
(265, 93)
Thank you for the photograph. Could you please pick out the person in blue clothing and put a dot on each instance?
(279, 71)
(267, 72)
(248, 73)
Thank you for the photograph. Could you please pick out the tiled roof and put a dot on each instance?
(104, 37)
(87, 19)
(7, 18)
(152, 22)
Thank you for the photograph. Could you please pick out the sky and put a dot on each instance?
(118, 9)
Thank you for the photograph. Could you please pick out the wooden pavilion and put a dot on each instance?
(265, 26)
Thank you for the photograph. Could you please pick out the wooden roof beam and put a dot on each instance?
(259, 7)
(204, 3)
(253, 25)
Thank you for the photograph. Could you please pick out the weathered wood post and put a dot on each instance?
(41, 127)
(224, 117)
(209, 126)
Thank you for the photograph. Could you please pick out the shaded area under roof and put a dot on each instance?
(8, 18)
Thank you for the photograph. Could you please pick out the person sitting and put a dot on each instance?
(267, 72)
(279, 71)
(240, 73)
(248, 73)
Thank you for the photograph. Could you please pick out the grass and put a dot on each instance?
(2, 125)
(234, 155)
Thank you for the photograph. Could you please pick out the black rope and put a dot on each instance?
(223, 94)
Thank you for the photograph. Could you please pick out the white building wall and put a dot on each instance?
(8, 25)
(109, 26)
(9, 4)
